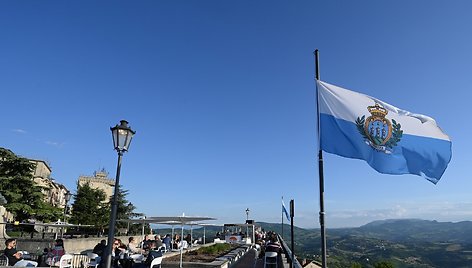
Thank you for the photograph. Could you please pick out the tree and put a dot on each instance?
(383, 264)
(124, 209)
(24, 197)
(90, 207)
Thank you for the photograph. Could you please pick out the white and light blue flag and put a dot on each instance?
(284, 210)
(391, 140)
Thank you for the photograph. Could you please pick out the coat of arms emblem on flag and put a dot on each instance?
(378, 131)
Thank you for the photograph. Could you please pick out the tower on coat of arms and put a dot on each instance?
(378, 131)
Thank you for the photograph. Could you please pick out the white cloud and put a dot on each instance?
(19, 130)
(440, 211)
(55, 144)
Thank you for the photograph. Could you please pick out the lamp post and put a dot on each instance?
(122, 135)
(130, 208)
(247, 222)
(67, 197)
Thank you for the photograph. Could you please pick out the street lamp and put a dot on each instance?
(130, 209)
(247, 222)
(67, 197)
(122, 135)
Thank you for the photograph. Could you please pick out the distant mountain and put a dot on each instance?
(406, 243)
(418, 230)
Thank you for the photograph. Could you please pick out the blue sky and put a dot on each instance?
(221, 94)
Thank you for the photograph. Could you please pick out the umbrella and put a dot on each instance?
(182, 220)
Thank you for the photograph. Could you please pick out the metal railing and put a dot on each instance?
(288, 253)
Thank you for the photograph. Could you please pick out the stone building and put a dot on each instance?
(99, 180)
(54, 193)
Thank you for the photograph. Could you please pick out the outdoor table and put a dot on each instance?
(137, 258)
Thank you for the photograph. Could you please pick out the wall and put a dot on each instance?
(75, 245)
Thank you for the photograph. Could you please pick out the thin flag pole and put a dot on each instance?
(282, 218)
(320, 171)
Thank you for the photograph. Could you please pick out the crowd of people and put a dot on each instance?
(50, 256)
(132, 254)
(268, 242)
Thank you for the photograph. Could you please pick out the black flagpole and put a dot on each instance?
(282, 218)
(320, 173)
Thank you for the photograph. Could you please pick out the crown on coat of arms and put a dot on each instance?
(377, 110)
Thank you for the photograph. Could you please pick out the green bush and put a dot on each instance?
(215, 249)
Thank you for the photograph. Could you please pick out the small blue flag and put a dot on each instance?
(284, 210)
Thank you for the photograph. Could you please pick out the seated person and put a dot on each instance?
(54, 256)
(100, 247)
(176, 244)
(273, 245)
(14, 257)
(188, 238)
(133, 247)
(158, 240)
(146, 242)
(116, 253)
(167, 241)
(153, 253)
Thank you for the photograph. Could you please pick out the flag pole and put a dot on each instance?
(320, 170)
(282, 210)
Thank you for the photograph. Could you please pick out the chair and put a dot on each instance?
(3, 260)
(270, 259)
(94, 259)
(66, 261)
(157, 261)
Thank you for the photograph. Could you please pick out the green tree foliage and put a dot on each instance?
(124, 209)
(24, 197)
(383, 264)
(356, 265)
(90, 207)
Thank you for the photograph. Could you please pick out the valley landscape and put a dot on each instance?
(403, 243)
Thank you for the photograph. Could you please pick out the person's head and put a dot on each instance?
(131, 239)
(60, 242)
(103, 242)
(116, 243)
(10, 243)
(152, 245)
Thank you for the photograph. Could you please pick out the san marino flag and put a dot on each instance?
(391, 140)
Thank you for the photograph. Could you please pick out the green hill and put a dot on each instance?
(405, 243)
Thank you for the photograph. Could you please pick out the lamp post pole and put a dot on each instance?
(130, 208)
(122, 136)
(67, 197)
(247, 222)
(111, 228)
